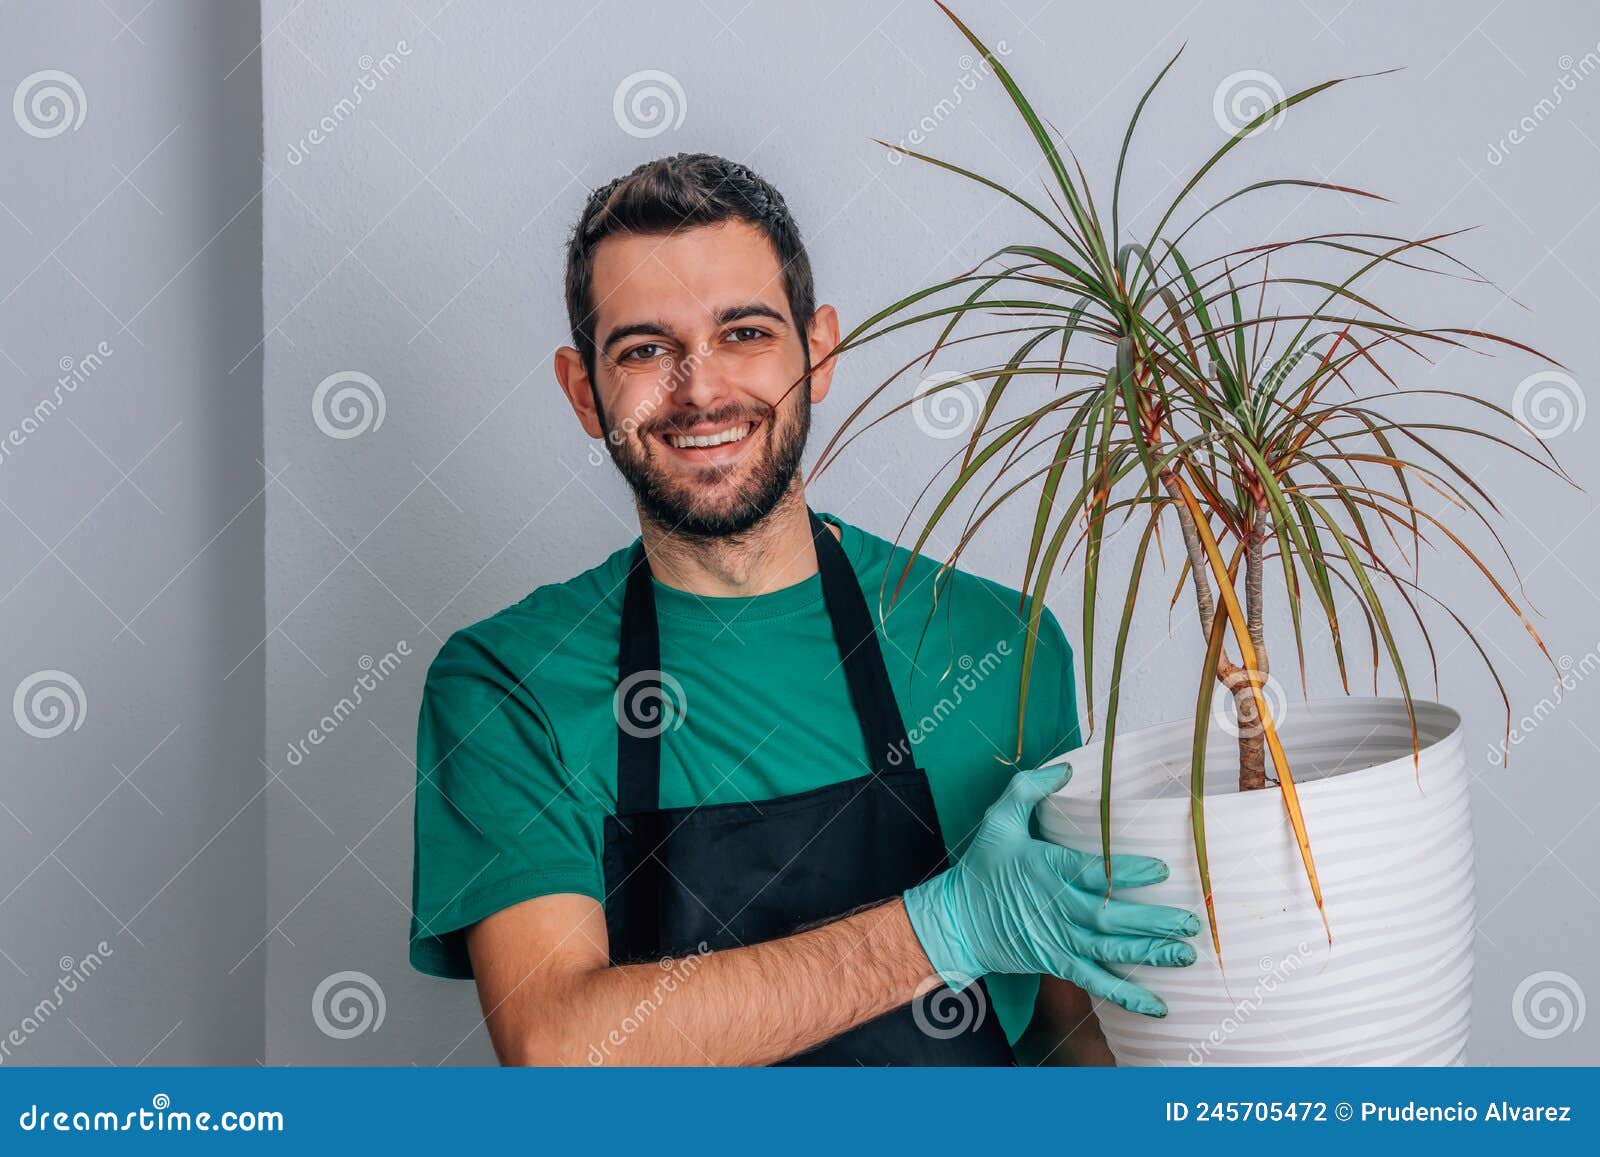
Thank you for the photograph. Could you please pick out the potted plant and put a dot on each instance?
(1240, 404)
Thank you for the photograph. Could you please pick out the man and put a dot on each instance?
(669, 811)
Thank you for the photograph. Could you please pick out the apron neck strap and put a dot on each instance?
(870, 690)
(639, 699)
(638, 686)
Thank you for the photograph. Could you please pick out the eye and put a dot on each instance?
(752, 333)
(648, 352)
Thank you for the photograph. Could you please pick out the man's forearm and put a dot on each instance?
(740, 1006)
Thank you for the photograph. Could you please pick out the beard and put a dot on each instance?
(722, 501)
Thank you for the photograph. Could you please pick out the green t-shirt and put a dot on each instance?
(516, 738)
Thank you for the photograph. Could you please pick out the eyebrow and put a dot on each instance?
(724, 316)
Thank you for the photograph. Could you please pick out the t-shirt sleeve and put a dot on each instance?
(1051, 724)
(499, 819)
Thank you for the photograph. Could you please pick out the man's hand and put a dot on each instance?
(1015, 904)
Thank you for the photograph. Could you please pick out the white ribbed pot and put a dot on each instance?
(1393, 848)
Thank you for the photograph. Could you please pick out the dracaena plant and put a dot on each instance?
(1234, 397)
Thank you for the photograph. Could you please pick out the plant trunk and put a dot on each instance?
(1252, 736)
(1252, 739)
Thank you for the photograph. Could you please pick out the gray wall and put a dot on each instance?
(131, 522)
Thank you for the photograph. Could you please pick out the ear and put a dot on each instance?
(575, 384)
(822, 335)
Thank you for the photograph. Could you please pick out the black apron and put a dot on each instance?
(691, 879)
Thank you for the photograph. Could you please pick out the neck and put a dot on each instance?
(776, 552)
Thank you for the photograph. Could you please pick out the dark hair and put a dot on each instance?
(681, 192)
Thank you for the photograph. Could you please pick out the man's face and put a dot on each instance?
(694, 385)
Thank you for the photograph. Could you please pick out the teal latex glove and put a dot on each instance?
(1015, 904)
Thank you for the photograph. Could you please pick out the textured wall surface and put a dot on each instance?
(424, 162)
(132, 802)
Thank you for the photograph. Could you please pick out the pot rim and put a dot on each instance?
(1086, 789)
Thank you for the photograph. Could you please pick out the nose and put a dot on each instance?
(698, 379)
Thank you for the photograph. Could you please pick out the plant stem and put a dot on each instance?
(1252, 739)
(1197, 555)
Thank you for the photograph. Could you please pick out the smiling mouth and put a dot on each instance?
(724, 437)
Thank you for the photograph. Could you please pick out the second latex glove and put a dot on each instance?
(1015, 904)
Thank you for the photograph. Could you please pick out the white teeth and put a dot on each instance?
(689, 441)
